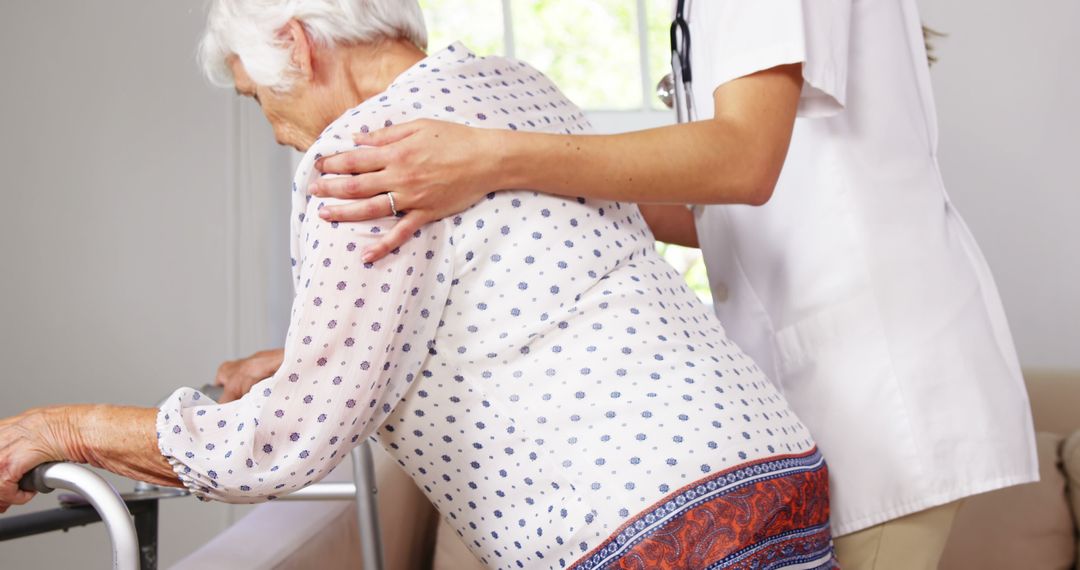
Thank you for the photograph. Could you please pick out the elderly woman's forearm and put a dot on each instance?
(119, 439)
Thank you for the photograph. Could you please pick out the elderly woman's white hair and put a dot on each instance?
(250, 30)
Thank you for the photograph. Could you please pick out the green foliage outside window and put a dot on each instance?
(588, 47)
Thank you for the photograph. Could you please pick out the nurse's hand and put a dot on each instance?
(26, 441)
(238, 376)
(435, 169)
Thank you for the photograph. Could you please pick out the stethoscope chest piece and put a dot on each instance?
(665, 91)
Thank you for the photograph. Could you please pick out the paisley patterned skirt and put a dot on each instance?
(764, 515)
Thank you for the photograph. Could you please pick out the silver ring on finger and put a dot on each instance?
(393, 206)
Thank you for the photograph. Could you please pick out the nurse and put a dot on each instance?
(835, 256)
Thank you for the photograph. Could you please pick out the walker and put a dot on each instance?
(132, 518)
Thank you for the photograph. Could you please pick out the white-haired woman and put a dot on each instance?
(548, 380)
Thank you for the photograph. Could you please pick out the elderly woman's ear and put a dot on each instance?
(302, 56)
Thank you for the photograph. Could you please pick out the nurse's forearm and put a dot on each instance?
(671, 223)
(697, 163)
(734, 158)
(436, 169)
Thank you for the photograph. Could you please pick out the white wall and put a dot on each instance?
(1008, 92)
(142, 235)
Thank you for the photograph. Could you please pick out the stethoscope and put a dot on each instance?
(676, 88)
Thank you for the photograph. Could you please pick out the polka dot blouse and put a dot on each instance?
(533, 364)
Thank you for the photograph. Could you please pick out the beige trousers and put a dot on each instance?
(914, 542)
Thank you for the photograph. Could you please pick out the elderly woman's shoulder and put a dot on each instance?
(458, 86)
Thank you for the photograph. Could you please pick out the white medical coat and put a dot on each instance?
(858, 287)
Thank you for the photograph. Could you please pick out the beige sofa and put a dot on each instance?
(1031, 527)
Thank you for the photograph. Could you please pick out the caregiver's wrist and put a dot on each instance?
(514, 159)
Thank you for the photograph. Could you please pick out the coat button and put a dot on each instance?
(720, 292)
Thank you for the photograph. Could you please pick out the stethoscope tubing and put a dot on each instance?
(681, 69)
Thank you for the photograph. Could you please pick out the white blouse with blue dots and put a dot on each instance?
(533, 363)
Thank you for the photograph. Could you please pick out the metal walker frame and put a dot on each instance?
(131, 519)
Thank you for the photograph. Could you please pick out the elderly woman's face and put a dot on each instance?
(285, 111)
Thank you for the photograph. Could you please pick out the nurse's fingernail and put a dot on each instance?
(324, 213)
(368, 256)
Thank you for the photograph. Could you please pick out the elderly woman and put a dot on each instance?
(542, 374)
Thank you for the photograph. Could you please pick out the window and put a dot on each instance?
(606, 55)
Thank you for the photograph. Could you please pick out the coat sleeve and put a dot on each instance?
(734, 38)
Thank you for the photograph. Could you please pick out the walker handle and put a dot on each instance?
(34, 480)
(101, 495)
(213, 391)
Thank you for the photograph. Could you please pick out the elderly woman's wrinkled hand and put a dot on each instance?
(238, 376)
(435, 169)
(26, 441)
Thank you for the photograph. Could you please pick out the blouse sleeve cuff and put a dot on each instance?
(171, 440)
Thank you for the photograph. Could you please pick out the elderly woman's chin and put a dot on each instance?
(286, 136)
(289, 133)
